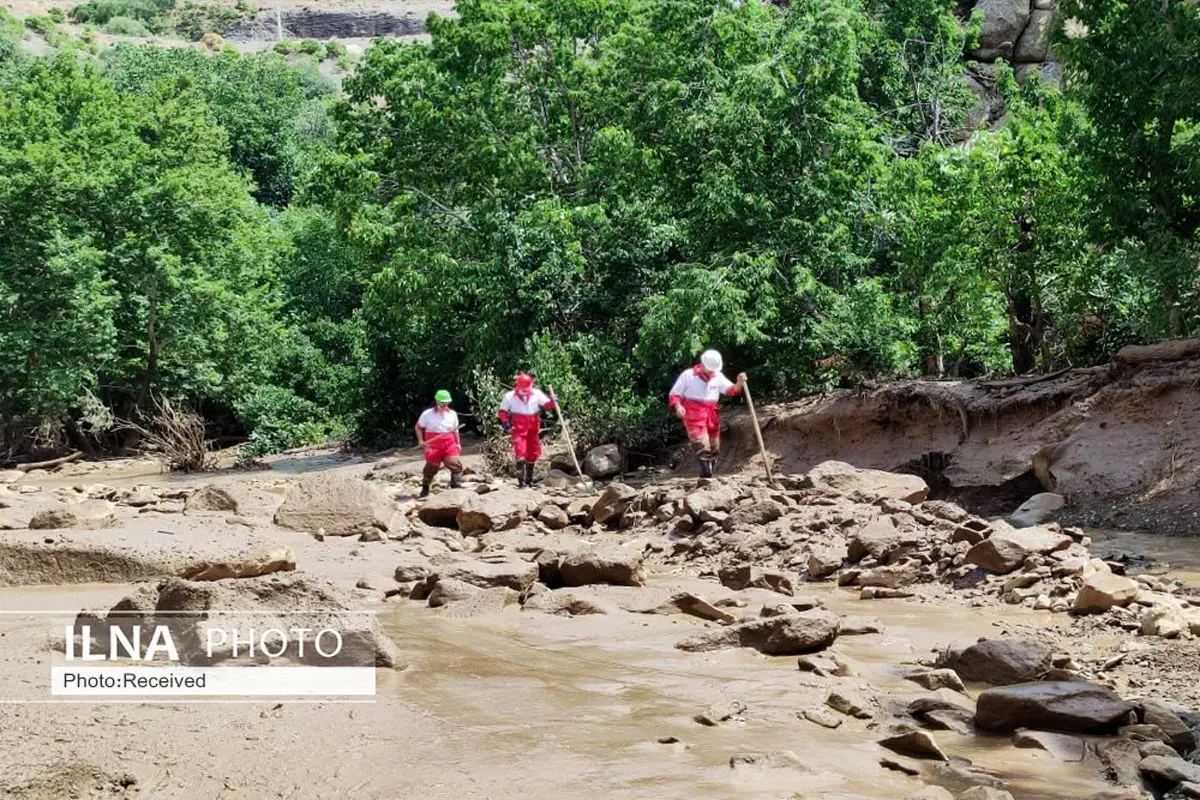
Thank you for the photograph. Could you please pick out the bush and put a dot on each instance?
(284, 48)
(194, 20)
(335, 50)
(58, 15)
(309, 47)
(99, 12)
(126, 26)
(43, 25)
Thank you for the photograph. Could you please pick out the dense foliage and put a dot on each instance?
(594, 191)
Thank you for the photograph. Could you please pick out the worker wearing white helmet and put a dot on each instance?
(695, 396)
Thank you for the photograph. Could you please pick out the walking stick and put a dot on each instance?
(762, 448)
(567, 435)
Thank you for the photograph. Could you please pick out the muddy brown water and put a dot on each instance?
(610, 688)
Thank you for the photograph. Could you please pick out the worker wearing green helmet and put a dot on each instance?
(437, 432)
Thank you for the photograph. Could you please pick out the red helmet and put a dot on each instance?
(524, 381)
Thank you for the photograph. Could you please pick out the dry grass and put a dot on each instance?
(175, 434)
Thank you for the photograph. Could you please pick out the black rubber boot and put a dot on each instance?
(455, 480)
(706, 469)
(425, 489)
(521, 474)
(529, 465)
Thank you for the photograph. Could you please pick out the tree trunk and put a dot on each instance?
(1022, 333)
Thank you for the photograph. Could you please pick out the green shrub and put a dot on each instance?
(43, 25)
(309, 47)
(126, 26)
(335, 50)
(194, 20)
(58, 15)
(284, 48)
(98, 12)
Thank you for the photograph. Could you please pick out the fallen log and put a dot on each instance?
(1176, 350)
(51, 464)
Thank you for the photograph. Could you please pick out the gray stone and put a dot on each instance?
(1178, 733)
(790, 634)
(878, 539)
(850, 703)
(1069, 706)
(822, 718)
(603, 461)
(938, 679)
(1061, 746)
(553, 517)
(86, 515)
(744, 576)
(210, 498)
(915, 743)
(1003, 22)
(340, 506)
(846, 479)
(825, 559)
(612, 503)
(1007, 547)
(1123, 760)
(611, 564)
(510, 571)
(1103, 590)
(720, 712)
(1171, 770)
(565, 603)
(999, 662)
(1034, 44)
(1037, 509)
(956, 720)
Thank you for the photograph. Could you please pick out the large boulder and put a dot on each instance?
(837, 476)
(999, 662)
(611, 564)
(787, 634)
(1003, 23)
(553, 517)
(340, 505)
(1008, 547)
(1181, 736)
(878, 538)
(711, 503)
(1171, 770)
(745, 576)
(1034, 45)
(86, 515)
(825, 559)
(1068, 706)
(603, 461)
(752, 515)
(612, 503)
(487, 571)
(442, 509)
(211, 498)
(1036, 510)
(1102, 590)
(500, 510)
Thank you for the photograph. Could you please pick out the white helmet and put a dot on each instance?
(711, 360)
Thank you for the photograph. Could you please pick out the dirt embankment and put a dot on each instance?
(1121, 442)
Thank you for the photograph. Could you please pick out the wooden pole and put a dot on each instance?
(762, 448)
(566, 434)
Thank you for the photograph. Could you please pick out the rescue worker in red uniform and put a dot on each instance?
(437, 432)
(520, 415)
(695, 396)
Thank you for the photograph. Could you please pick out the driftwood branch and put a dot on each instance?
(51, 464)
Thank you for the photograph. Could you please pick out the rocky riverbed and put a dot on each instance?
(835, 635)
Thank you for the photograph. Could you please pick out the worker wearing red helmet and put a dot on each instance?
(695, 396)
(520, 414)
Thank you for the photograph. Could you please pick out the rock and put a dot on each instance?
(720, 712)
(1003, 22)
(849, 703)
(611, 564)
(689, 603)
(1166, 620)
(956, 720)
(602, 462)
(281, 559)
(826, 665)
(710, 503)
(140, 496)
(931, 793)
(878, 539)
(916, 743)
(822, 718)
(502, 570)
(1036, 510)
(1123, 760)
(553, 517)
(1180, 735)
(450, 590)
(1171, 770)
(441, 509)
(939, 700)
(210, 498)
(753, 515)
(558, 479)
(412, 567)
(1061, 746)
(86, 515)
(1069, 706)
(903, 767)
(938, 679)
(825, 559)
(612, 503)
(985, 793)
(791, 634)
(999, 662)
(564, 602)
(495, 511)
(892, 577)
(342, 506)
(744, 576)
(845, 479)
(1103, 590)
(783, 759)
(461, 600)
(1034, 45)
(1007, 547)
(1144, 733)
(8, 476)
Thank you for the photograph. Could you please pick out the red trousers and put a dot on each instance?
(527, 445)
(701, 419)
(440, 446)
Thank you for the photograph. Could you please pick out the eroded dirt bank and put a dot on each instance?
(686, 639)
(1121, 442)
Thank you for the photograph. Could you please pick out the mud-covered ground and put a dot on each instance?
(562, 641)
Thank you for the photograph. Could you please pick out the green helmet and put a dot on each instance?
(443, 397)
